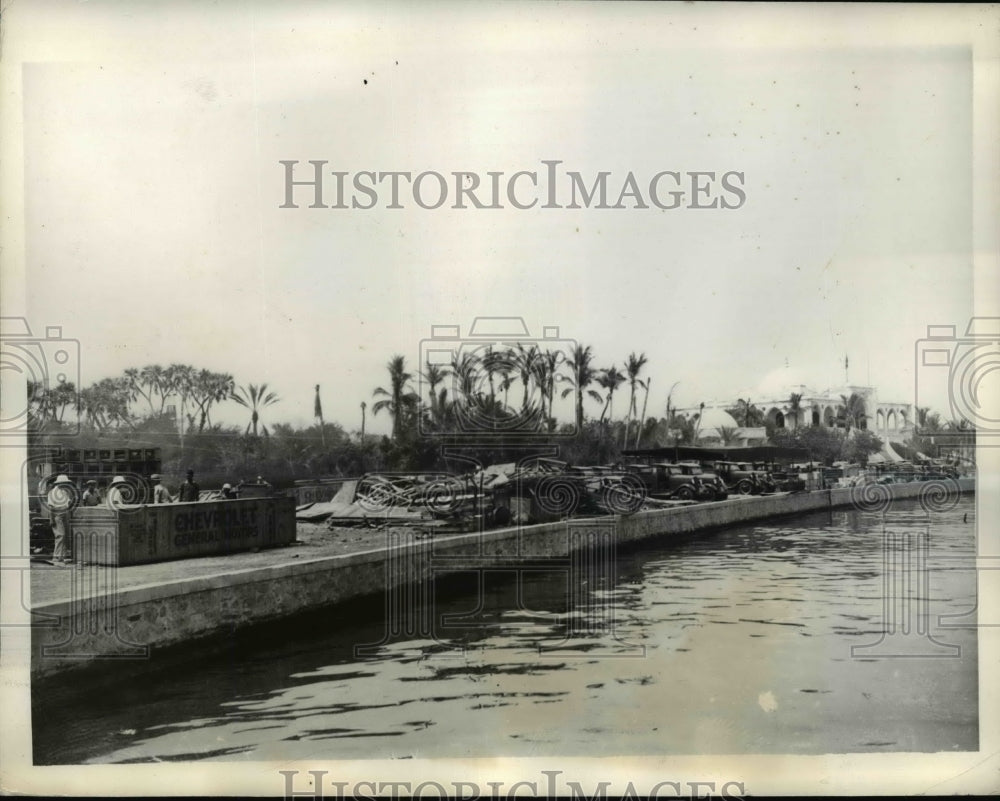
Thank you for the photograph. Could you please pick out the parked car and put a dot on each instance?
(666, 480)
(742, 478)
(710, 479)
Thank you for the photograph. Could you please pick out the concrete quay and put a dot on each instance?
(89, 613)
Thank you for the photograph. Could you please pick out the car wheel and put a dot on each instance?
(745, 487)
(685, 493)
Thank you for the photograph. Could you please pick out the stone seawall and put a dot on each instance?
(103, 622)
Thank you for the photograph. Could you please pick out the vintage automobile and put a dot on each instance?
(742, 478)
(665, 480)
(718, 486)
(765, 473)
(788, 480)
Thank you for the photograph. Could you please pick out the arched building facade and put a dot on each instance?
(801, 406)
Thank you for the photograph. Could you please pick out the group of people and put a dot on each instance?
(61, 500)
(119, 493)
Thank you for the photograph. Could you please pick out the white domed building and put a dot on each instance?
(786, 401)
(716, 426)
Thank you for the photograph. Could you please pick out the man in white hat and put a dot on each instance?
(116, 494)
(160, 493)
(61, 499)
(91, 496)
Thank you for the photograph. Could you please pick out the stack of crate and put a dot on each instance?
(102, 464)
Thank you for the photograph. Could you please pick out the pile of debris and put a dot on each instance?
(536, 490)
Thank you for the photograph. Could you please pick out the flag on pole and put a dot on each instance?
(318, 407)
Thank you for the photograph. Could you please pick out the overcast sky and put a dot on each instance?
(153, 232)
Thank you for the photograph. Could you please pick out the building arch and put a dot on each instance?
(775, 417)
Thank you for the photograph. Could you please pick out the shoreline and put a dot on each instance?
(92, 613)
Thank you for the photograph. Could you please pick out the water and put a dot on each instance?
(731, 642)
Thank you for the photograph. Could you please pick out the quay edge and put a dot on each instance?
(73, 633)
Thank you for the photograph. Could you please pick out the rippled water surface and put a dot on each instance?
(737, 641)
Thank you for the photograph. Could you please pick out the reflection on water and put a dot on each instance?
(733, 642)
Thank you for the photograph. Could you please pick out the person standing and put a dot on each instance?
(61, 499)
(160, 493)
(117, 493)
(189, 491)
(91, 497)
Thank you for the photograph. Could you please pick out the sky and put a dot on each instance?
(152, 187)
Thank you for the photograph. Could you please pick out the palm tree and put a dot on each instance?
(434, 375)
(105, 403)
(255, 398)
(610, 379)
(464, 368)
(927, 420)
(136, 388)
(148, 383)
(853, 411)
(546, 370)
(157, 382)
(208, 388)
(51, 404)
(527, 361)
(491, 361)
(506, 367)
(743, 409)
(932, 421)
(795, 406)
(582, 375)
(633, 366)
(398, 399)
(727, 434)
(180, 379)
(363, 407)
(60, 398)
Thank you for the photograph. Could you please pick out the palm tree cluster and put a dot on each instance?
(510, 390)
